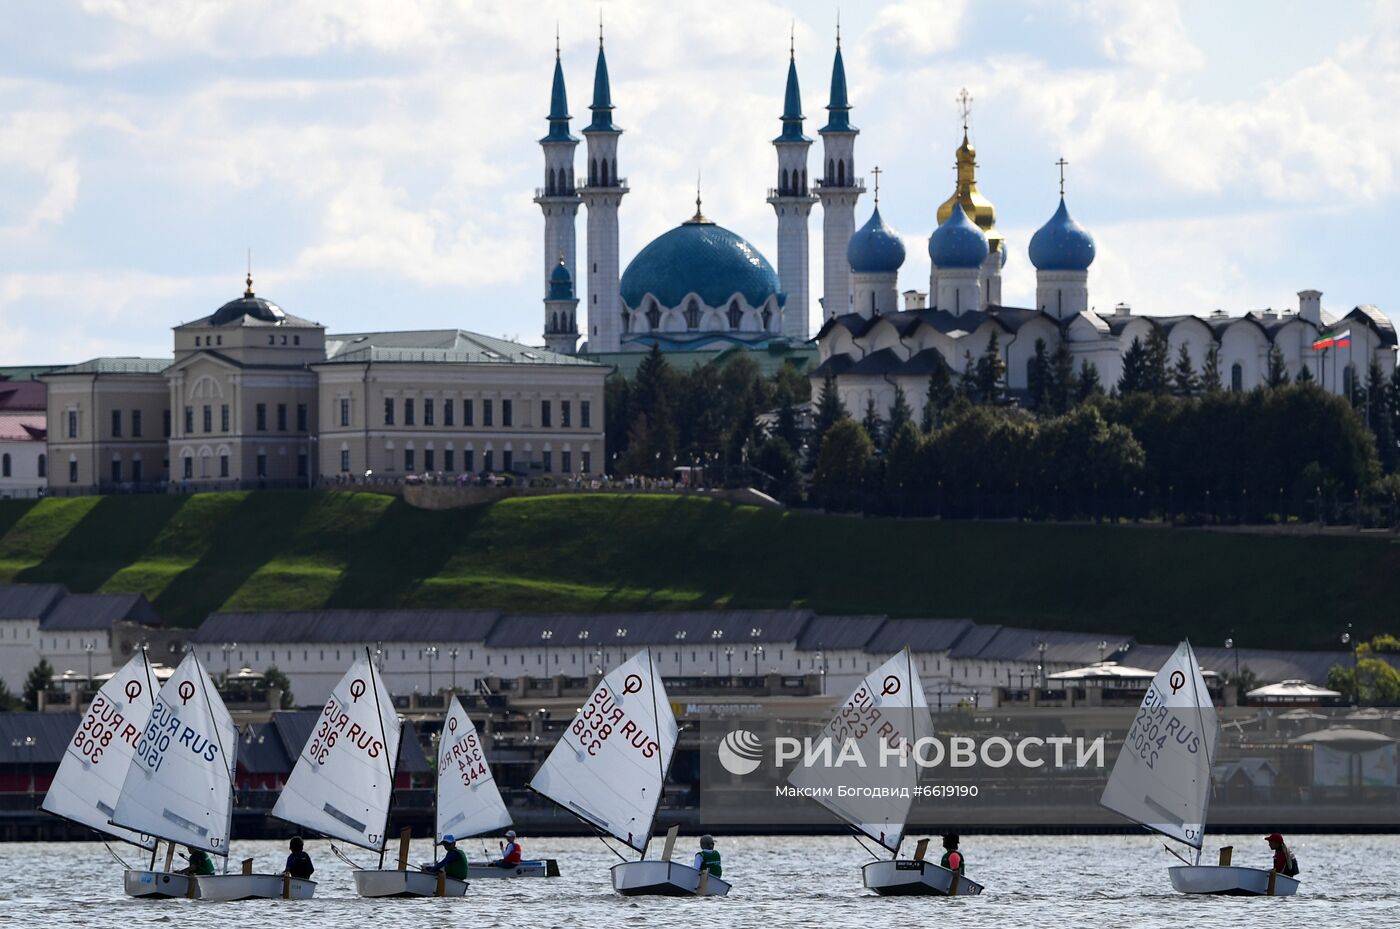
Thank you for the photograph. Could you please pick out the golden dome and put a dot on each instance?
(977, 207)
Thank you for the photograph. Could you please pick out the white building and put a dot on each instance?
(23, 433)
(74, 632)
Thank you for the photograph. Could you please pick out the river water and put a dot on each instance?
(1031, 881)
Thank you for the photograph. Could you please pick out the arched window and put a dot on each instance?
(553, 322)
(841, 173)
(804, 182)
(873, 310)
(783, 186)
(549, 182)
(5, 465)
(653, 316)
(43, 465)
(603, 174)
(592, 170)
(736, 316)
(614, 170)
(692, 314)
(1237, 377)
(626, 323)
(767, 319)
(830, 170)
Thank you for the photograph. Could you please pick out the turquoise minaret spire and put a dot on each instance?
(602, 93)
(792, 105)
(558, 105)
(558, 199)
(839, 107)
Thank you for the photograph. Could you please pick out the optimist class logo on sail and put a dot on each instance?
(604, 718)
(1159, 727)
(466, 754)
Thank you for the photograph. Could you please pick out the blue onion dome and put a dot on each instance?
(875, 248)
(958, 242)
(1062, 244)
(702, 258)
(561, 282)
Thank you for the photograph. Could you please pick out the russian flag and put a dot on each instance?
(1337, 340)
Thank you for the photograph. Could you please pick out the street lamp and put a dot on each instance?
(452, 653)
(1355, 677)
(620, 635)
(26, 743)
(1103, 647)
(545, 636)
(715, 636)
(583, 650)
(757, 654)
(431, 653)
(821, 670)
(1041, 646)
(1230, 644)
(228, 649)
(680, 652)
(89, 646)
(729, 659)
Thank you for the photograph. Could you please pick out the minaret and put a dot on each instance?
(838, 190)
(561, 311)
(792, 201)
(558, 198)
(603, 195)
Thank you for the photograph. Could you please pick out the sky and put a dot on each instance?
(379, 158)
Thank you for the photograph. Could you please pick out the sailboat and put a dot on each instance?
(886, 712)
(468, 801)
(343, 783)
(609, 769)
(1161, 780)
(94, 765)
(179, 787)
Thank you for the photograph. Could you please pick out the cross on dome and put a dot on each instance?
(1061, 163)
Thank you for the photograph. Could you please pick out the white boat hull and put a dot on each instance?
(538, 867)
(1230, 881)
(394, 883)
(906, 877)
(664, 879)
(156, 885)
(224, 887)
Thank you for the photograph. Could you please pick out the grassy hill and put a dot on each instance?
(294, 550)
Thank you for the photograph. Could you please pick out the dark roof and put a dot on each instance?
(884, 361)
(839, 632)
(1378, 320)
(921, 635)
(29, 601)
(1010, 643)
(445, 346)
(273, 747)
(924, 362)
(23, 396)
(98, 611)
(357, 626)
(1267, 664)
(51, 733)
(835, 366)
(642, 629)
(260, 751)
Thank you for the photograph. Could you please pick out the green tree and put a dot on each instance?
(1379, 417)
(652, 398)
(843, 466)
(1371, 679)
(787, 425)
(902, 467)
(778, 466)
(1210, 372)
(7, 699)
(1134, 377)
(1184, 382)
(1063, 385)
(1087, 384)
(967, 381)
(274, 677)
(1305, 375)
(40, 678)
(874, 425)
(617, 414)
(830, 411)
(900, 413)
(1156, 364)
(1038, 378)
(939, 395)
(1278, 369)
(990, 371)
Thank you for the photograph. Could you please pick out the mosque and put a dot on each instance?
(701, 286)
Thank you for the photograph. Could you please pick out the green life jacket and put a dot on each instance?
(455, 864)
(201, 863)
(962, 861)
(709, 859)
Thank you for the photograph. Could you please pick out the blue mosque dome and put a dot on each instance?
(958, 242)
(875, 248)
(1062, 244)
(702, 258)
(561, 282)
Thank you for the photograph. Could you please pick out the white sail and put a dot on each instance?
(468, 800)
(94, 766)
(609, 766)
(1162, 776)
(180, 783)
(343, 779)
(879, 723)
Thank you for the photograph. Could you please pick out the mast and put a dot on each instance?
(1210, 759)
(393, 765)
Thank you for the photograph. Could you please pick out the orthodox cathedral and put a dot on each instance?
(701, 286)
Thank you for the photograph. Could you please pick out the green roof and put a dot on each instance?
(117, 366)
(440, 346)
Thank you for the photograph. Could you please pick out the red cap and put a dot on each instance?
(1273, 837)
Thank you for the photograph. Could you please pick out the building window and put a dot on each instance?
(545, 418)
(408, 411)
(505, 413)
(189, 420)
(223, 466)
(507, 460)
(467, 456)
(586, 461)
(466, 412)
(408, 460)
(301, 417)
(566, 462)
(653, 316)
(566, 414)
(448, 462)
(281, 417)
(72, 471)
(345, 460)
(485, 411)
(692, 315)
(136, 424)
(1237, 377)
(262, 465)
(165, 423)
(137, 472)
(486, 461)
(208, 418)
(736, 316)
(116, 424)
(43, 465)
(261, 411)
(5, 465)
(223, 418)
(303, 465)
(388, 411)
(547, 461)
(447, 411)
(189, 467)
(585, 414)
(427, 411)
(428, 459)
(345, 412)
(73, 424)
